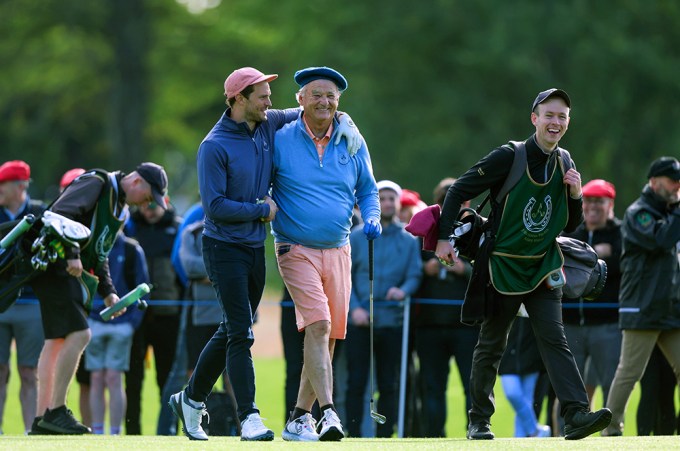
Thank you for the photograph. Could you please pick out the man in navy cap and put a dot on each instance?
(97, 199)
(516, 260)
(650, 283)
(316, 183)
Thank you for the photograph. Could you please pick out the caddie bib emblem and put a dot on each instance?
(103, 244)
(537, 215)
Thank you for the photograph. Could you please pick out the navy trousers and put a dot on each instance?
(238, 274)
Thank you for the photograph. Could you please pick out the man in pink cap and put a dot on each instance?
(594, 332)
(234, 175)
(19, 321)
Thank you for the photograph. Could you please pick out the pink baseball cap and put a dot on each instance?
(241, 78)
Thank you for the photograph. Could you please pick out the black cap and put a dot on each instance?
(156, 177)
(548, 93)
(304, 76)
(665, 166)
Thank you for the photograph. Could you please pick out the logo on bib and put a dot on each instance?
(537, 216)
(104, 243)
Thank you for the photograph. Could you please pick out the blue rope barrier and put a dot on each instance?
(422, 301)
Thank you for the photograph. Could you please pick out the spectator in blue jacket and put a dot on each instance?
(397, 275)
(108, 353)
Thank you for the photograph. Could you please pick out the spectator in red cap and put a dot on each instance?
(18, 321)
(69, 176)
(15, 170)
(594, 332)
(410, 205)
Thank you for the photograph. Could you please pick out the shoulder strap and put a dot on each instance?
(101, 173)
(519, 164)
(566, 159)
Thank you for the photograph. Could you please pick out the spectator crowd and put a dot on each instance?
(399, 324)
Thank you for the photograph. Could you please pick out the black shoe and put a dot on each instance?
(61, 421)
(583, 423)
(37, 430)
(479, 431)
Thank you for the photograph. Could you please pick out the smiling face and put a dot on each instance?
(551, 120)
(255, 106)
(320, 99)
(596, 211)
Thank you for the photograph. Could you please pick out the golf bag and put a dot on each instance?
(28, 246)
(222, 419)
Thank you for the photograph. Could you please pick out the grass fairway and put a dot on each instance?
(180, 444)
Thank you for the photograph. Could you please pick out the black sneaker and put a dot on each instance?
(479, 431)
(37, 430)
(61, 421)
(583, 423)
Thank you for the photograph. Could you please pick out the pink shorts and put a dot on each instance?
(319, 281)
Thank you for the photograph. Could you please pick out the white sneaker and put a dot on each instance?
(302, 429)
(189, 415)
(330, 429)
(252, 428)
(543, 431)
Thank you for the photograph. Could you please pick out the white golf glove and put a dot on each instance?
(351, 134)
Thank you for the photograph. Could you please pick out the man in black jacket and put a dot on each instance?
(521, 256)
(650, 283)
(96, 199)
(594, 331)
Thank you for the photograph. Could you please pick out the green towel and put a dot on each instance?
(88, 284)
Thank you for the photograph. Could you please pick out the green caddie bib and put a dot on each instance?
(106, 222)
(525, 250)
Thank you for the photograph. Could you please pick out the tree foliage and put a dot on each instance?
(433, 85)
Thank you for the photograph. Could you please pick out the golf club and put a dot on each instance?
(375, 415)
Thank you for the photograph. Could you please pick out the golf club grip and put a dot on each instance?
(18, 230)
(370, 259)
(126, 301)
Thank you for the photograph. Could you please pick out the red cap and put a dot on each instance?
(599, 188)
(70, 176)
(409, 198)
(15, 170)
(241, 78)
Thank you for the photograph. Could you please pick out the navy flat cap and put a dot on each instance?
(309, 74)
